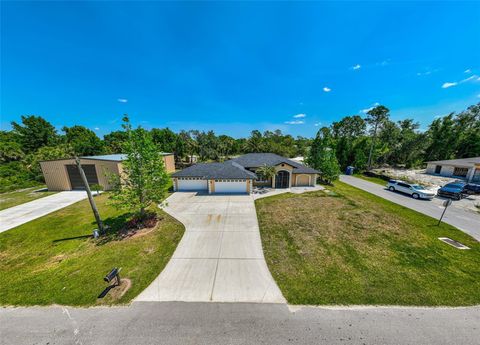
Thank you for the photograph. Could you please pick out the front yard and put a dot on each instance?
(54, 260)
(347, 246)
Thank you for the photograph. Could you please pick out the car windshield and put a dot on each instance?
(455, 185)
(417, 186)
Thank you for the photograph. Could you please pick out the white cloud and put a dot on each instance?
(96, 128)
(122, 100)
(300, 116)
(466, 80)
(368, 109)
(327, 89)
(357, 66)
(424, 73)
(468, 70)
(478, 95)
(295, 122)
(317, 124)
(447, 85)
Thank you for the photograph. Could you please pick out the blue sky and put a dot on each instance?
(234, 67)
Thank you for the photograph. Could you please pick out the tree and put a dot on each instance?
(322, 156)
(375, 118)
(144, 180)
(165, 139)
(114, 141)
(10, 148)
(34, 133)
(84, 141)
(32, 160)
(266, 172)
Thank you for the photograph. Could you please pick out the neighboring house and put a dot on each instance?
(465, 168)
(238, 175)
(62, 174)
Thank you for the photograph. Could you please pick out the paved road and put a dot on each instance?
(467, 221)
(220, 256)
(18, 215)
(238, 323)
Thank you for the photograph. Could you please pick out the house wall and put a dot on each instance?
(285, 167)
(297, 179)
(447, 170)
(56, 176)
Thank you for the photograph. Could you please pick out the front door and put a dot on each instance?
(282, 179)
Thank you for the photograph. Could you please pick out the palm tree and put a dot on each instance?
(266, 172)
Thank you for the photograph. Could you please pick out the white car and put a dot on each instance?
(416, 191)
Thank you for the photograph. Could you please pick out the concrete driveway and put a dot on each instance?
(220, 256)
(21, 214)
(464, 220)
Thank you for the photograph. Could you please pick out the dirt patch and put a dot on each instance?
(115, 293)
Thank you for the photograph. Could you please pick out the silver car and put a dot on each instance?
(416, 191)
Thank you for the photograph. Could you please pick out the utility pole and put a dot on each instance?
(90, 197)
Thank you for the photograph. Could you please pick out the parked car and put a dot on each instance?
(458, 190)
(454, 190)
(416, 191)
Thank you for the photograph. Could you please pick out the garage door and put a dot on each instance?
(192, 185)
(230, 186)
(75, 178)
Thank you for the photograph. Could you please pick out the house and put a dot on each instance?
(465, 168)
(238, 175)
(62, 174)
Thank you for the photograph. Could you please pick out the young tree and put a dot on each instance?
(375, 118)
(144, 179)
(322, 156)
(34, 133)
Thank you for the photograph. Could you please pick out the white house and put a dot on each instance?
(465, 168)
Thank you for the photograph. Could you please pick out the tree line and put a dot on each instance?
(354, 140)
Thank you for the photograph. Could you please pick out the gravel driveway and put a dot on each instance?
(467, 221)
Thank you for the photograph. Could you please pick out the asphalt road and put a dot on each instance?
(238, 323)
(467, 221)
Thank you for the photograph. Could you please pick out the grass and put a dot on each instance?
(21, 196)
(54, 260)
(376, 180)
(354, 248)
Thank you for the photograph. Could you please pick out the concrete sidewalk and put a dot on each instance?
(466, 221)
(220, 256)
(21, 214)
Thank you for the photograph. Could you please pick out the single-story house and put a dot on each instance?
(62, 174)
(465, 168)
(238, 175)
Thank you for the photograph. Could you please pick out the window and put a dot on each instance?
(403, 185)
(438, 168)
(461, 172)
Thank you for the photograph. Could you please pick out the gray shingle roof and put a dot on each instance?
(255, 160)
(225, 170)
(464, 162)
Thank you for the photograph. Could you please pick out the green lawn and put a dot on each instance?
(54, 260)
(353, 248)
(10, 199)
(376, 180)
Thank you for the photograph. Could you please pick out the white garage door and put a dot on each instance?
(230, 186)
(192, 185)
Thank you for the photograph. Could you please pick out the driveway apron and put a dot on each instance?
(220, 257)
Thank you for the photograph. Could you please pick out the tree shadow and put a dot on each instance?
(72, 238)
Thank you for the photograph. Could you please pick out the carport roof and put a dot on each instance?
(225, 170)
(114, 158)
(463, 162)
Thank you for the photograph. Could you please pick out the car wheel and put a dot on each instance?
(458, 196)
(415, 196)
(391, 189)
